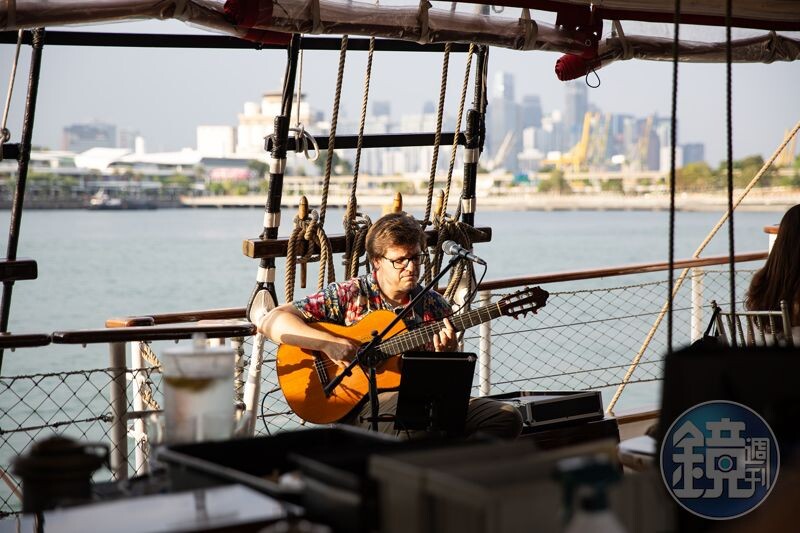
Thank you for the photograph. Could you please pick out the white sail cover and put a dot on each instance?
(579, 29)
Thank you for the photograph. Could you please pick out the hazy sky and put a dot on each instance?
(164, 94)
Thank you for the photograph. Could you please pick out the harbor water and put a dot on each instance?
(95, 265)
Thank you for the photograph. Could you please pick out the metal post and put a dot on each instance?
(22, 173)
(474, 134)
(119, 408)
(139, 431)
(698, 278)
(252, 388)
(485, 349)
(265, 279)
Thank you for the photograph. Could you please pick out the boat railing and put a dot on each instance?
(36, 404)
(593, 325)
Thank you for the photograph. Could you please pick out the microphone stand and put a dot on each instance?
(370, 360)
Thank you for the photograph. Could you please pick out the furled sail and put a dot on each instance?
(576, 32)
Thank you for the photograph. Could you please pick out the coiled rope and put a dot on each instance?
(307, 232)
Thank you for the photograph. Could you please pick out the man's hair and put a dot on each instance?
(394, 229)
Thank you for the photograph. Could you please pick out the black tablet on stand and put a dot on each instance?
(434, 392)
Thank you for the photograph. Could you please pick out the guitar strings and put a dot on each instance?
(425, 333)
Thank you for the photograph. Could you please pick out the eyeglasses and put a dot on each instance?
(402, 262)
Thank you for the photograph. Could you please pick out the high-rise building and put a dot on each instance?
(80, 137)
(531, 112)
(576, 106)
(694, 153)
(503, 138)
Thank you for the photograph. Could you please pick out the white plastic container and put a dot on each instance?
(198, 393)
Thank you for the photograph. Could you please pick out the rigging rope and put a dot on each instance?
(437, 141)
(356, 224)
(301, 137)
(438, 137)
(310, 228)
(5, 135)
(451, 228)
(729, 139)
(459, 117)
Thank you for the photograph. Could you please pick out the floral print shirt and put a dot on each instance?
(347, 302)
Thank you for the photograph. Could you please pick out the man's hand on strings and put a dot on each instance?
(445, 340)
(341, 351)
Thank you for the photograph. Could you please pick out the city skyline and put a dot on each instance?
(165, 94)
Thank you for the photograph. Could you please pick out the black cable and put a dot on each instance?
(672, 173)
(264, 416)
(472, 293)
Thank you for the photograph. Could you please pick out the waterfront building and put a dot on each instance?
(257, 122)
(83, 136)
(693, 153)
(127, 138)
(216, 141)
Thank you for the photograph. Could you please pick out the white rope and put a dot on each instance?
(5, 135)
(302, 138)
(299, 87)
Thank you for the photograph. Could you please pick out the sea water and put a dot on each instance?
(95, 265)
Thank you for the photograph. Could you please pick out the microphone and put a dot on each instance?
(453, 248)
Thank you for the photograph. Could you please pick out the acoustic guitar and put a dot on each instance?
(303, 374)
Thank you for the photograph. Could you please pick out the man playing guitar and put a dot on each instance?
(394, 248)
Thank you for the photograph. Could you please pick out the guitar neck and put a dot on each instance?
(411, 340)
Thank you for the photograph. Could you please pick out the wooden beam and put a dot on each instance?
(18, 269)
(228, 313)
(23, 340)
(257, 248)
(152, 333)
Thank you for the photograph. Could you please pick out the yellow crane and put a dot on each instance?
(644, 142)
(575, 158)
(598, 142)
